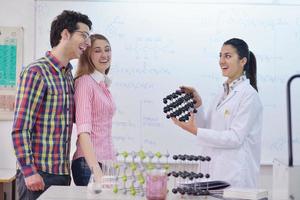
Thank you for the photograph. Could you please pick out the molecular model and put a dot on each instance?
(129, 172)
(194, 182)
(179, 105)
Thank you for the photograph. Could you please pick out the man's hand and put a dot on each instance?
(189, 126)
(191, 90)
(35, 182)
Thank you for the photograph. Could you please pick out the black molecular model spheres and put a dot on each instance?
(191, 182)
(179, 104)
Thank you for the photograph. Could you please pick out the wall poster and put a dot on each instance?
(11, 58)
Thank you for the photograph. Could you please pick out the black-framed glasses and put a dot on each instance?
(85, 35)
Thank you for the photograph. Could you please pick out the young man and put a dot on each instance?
(44, 112)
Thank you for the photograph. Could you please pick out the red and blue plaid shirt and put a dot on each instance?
(44, 116)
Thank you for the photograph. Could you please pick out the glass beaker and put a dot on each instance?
(93, 186)
(156, 184)
(109, 174)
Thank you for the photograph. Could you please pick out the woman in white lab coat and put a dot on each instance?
(230, 131)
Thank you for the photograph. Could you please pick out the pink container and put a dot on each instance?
(156, 185)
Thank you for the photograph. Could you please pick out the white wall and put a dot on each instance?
(20, 13)
(12, 13)
(16, 13)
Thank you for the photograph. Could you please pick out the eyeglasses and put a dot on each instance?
(84, 34)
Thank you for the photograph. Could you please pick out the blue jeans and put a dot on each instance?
(49, 179)
(81, 172)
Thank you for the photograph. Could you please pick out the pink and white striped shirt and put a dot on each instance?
(94, 111)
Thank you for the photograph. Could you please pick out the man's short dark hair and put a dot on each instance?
(68, 19)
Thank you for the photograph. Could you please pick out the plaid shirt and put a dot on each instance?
(44, 116)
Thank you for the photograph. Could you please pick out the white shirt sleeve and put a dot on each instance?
(200, 117)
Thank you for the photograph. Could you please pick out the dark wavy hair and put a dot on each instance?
(68, 19)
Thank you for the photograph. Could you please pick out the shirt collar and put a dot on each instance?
(99, 77)
(229, 87)
(57, 63)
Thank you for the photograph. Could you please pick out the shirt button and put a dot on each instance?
(68, 109)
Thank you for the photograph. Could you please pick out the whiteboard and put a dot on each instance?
(158, 46)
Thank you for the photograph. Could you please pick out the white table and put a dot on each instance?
(7, 176)
(80, 193)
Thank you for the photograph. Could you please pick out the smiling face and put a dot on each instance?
(101, 55)
(78, 41)
(231, 65)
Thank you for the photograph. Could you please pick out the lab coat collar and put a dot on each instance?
(99, 77)
(230, 87)
(238, 87)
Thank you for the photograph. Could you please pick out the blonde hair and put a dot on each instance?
(85, 64)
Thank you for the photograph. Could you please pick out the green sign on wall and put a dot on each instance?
(8, 61)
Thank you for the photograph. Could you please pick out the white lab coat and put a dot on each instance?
(231, 135)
